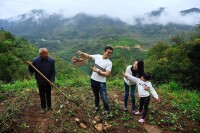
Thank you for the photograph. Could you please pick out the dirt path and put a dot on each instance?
(32, 119)
(152, 129)
(138, 46)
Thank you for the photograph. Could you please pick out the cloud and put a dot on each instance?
(126, 10)
(169, 16)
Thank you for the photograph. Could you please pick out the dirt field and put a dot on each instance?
(75, 114)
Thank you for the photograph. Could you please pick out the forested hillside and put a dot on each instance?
(89, 33)
(175, 69)
(179, 62)
(14, 52)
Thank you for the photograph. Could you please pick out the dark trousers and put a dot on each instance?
(99, 88)
(45, 96)
(144, 102)
(126, 94)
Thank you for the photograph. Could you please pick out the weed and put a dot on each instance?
(71, 113)
(126, 117)
(24, 125)
(127, 125)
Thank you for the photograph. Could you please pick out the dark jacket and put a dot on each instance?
(46, 67)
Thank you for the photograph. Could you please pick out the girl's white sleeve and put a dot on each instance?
(132, 78)
(153, 92)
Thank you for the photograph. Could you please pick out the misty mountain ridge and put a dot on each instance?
(35, 15)
(41, 28)
(90, 33)
(157, 12)
(189, 11)
(157, 16)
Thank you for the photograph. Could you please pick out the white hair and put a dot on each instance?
(41, 50)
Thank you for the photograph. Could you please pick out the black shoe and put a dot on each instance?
(107, 113)
(125, 109)
(96, 110)
(42, 111)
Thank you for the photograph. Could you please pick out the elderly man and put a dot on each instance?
(101, 70)
(46, 65)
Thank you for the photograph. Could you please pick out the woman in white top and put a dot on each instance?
(136, 70)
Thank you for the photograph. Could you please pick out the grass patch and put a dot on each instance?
(186, 101)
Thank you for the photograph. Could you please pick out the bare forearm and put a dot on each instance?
(84, 54)
(106, 73)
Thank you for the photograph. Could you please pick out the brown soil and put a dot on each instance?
(79, 105)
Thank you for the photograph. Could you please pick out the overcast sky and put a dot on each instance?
(126, 10)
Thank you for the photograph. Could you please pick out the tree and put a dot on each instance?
(194, 56)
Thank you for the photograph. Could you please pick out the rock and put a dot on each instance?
(61, 106)
(107, 127)
(94, 122)
(77, 119)
(99, 127)
(58, 111)
(83, 126)
(97, 119)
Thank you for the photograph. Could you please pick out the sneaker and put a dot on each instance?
(96, 110)
(107, 113)
(125, 109)
(141, 121)
(133, 111)
(42, 111)
(138, 113)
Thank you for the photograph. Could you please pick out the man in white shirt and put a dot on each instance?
(101, 70)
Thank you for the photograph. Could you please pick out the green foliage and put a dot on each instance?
(186, 101)
(174, 85)
(168, 63)
(194, 57)
(117, 83)
(19, 85)
(14, 53)
(7, 117)
(122, 41)
(178, 39)
(118, 66)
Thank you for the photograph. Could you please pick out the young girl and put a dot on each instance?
(144, 85)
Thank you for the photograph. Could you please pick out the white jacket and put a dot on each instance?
(128, 71)
(141, 91)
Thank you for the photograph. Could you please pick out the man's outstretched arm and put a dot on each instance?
(84, 54)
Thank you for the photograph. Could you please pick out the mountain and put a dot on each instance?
(37, 24)
(64, 35)
(35, 15)
(189, 11)
(157, 12)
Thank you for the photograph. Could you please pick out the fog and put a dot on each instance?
(126, 10)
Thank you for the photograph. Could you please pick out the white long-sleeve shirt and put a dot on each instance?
(141, 84)
(128, 71)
